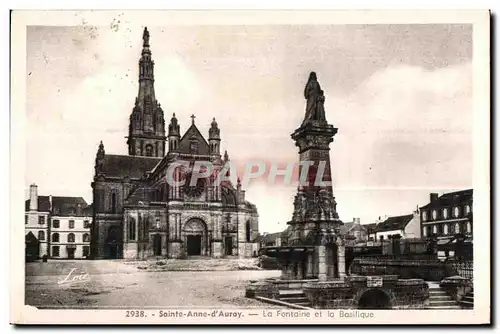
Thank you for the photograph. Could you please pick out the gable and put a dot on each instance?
(193, 134)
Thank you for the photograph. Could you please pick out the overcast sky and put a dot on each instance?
(400, 95)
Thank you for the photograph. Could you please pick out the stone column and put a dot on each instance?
(300, 264)
(310, 269)
(321, 251)
(341, 259)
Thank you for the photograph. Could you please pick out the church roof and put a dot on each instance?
(127, 165)
(193, 133)
(139, 195)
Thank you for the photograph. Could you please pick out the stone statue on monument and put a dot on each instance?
(314, 95)
(325, 204)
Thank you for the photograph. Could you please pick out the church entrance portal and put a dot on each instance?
(195, 237)
(194, 245)
(228, 244)
(157, 244)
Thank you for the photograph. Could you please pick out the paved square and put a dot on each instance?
(117, 284)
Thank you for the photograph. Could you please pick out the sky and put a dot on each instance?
(400, 96)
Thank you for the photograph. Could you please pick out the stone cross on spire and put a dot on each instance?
(192, 118)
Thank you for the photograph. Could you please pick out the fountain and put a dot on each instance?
(312, 258)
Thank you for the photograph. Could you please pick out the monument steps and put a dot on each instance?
(296, 297)
(468, 300)
(439, 299)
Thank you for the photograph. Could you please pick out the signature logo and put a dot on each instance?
(74, 277)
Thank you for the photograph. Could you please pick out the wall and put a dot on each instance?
(386, 234)
(412, 229)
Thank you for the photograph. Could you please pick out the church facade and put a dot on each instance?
(139, 214)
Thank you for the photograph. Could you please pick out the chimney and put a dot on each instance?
(33, 197)
(356, 221)
(434, 197)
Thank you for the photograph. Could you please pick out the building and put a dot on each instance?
(371, 230)
(269, 239)
(447, 215)
(406, 226)
(138, 214)
(356, 230)
(37, 219)
(60, 224)
(70, 228)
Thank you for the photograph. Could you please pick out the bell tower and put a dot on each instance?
(147, 123)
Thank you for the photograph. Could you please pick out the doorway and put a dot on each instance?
(194, 245)
(157, 244)
(113, 251)
(228, 245)
(71, 253)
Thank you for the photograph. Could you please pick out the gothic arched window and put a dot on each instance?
(248, 231)
(55, 237)
(113, 202)
(71, 237)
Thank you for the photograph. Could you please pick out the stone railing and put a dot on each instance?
(427, 269)
(386, 291)
(270, 288)
(457, 286)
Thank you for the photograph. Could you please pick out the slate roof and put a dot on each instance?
(138, 196)
(68, 206)
(127, 165)
(461, 197)
(394, 223)
(43, 204)
(62, 205)
(370, 228)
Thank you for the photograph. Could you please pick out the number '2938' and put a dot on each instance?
(135, 314)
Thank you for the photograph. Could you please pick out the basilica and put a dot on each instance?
(139, 214)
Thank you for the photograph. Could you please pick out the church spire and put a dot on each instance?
(147, 122)
(146, 72)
